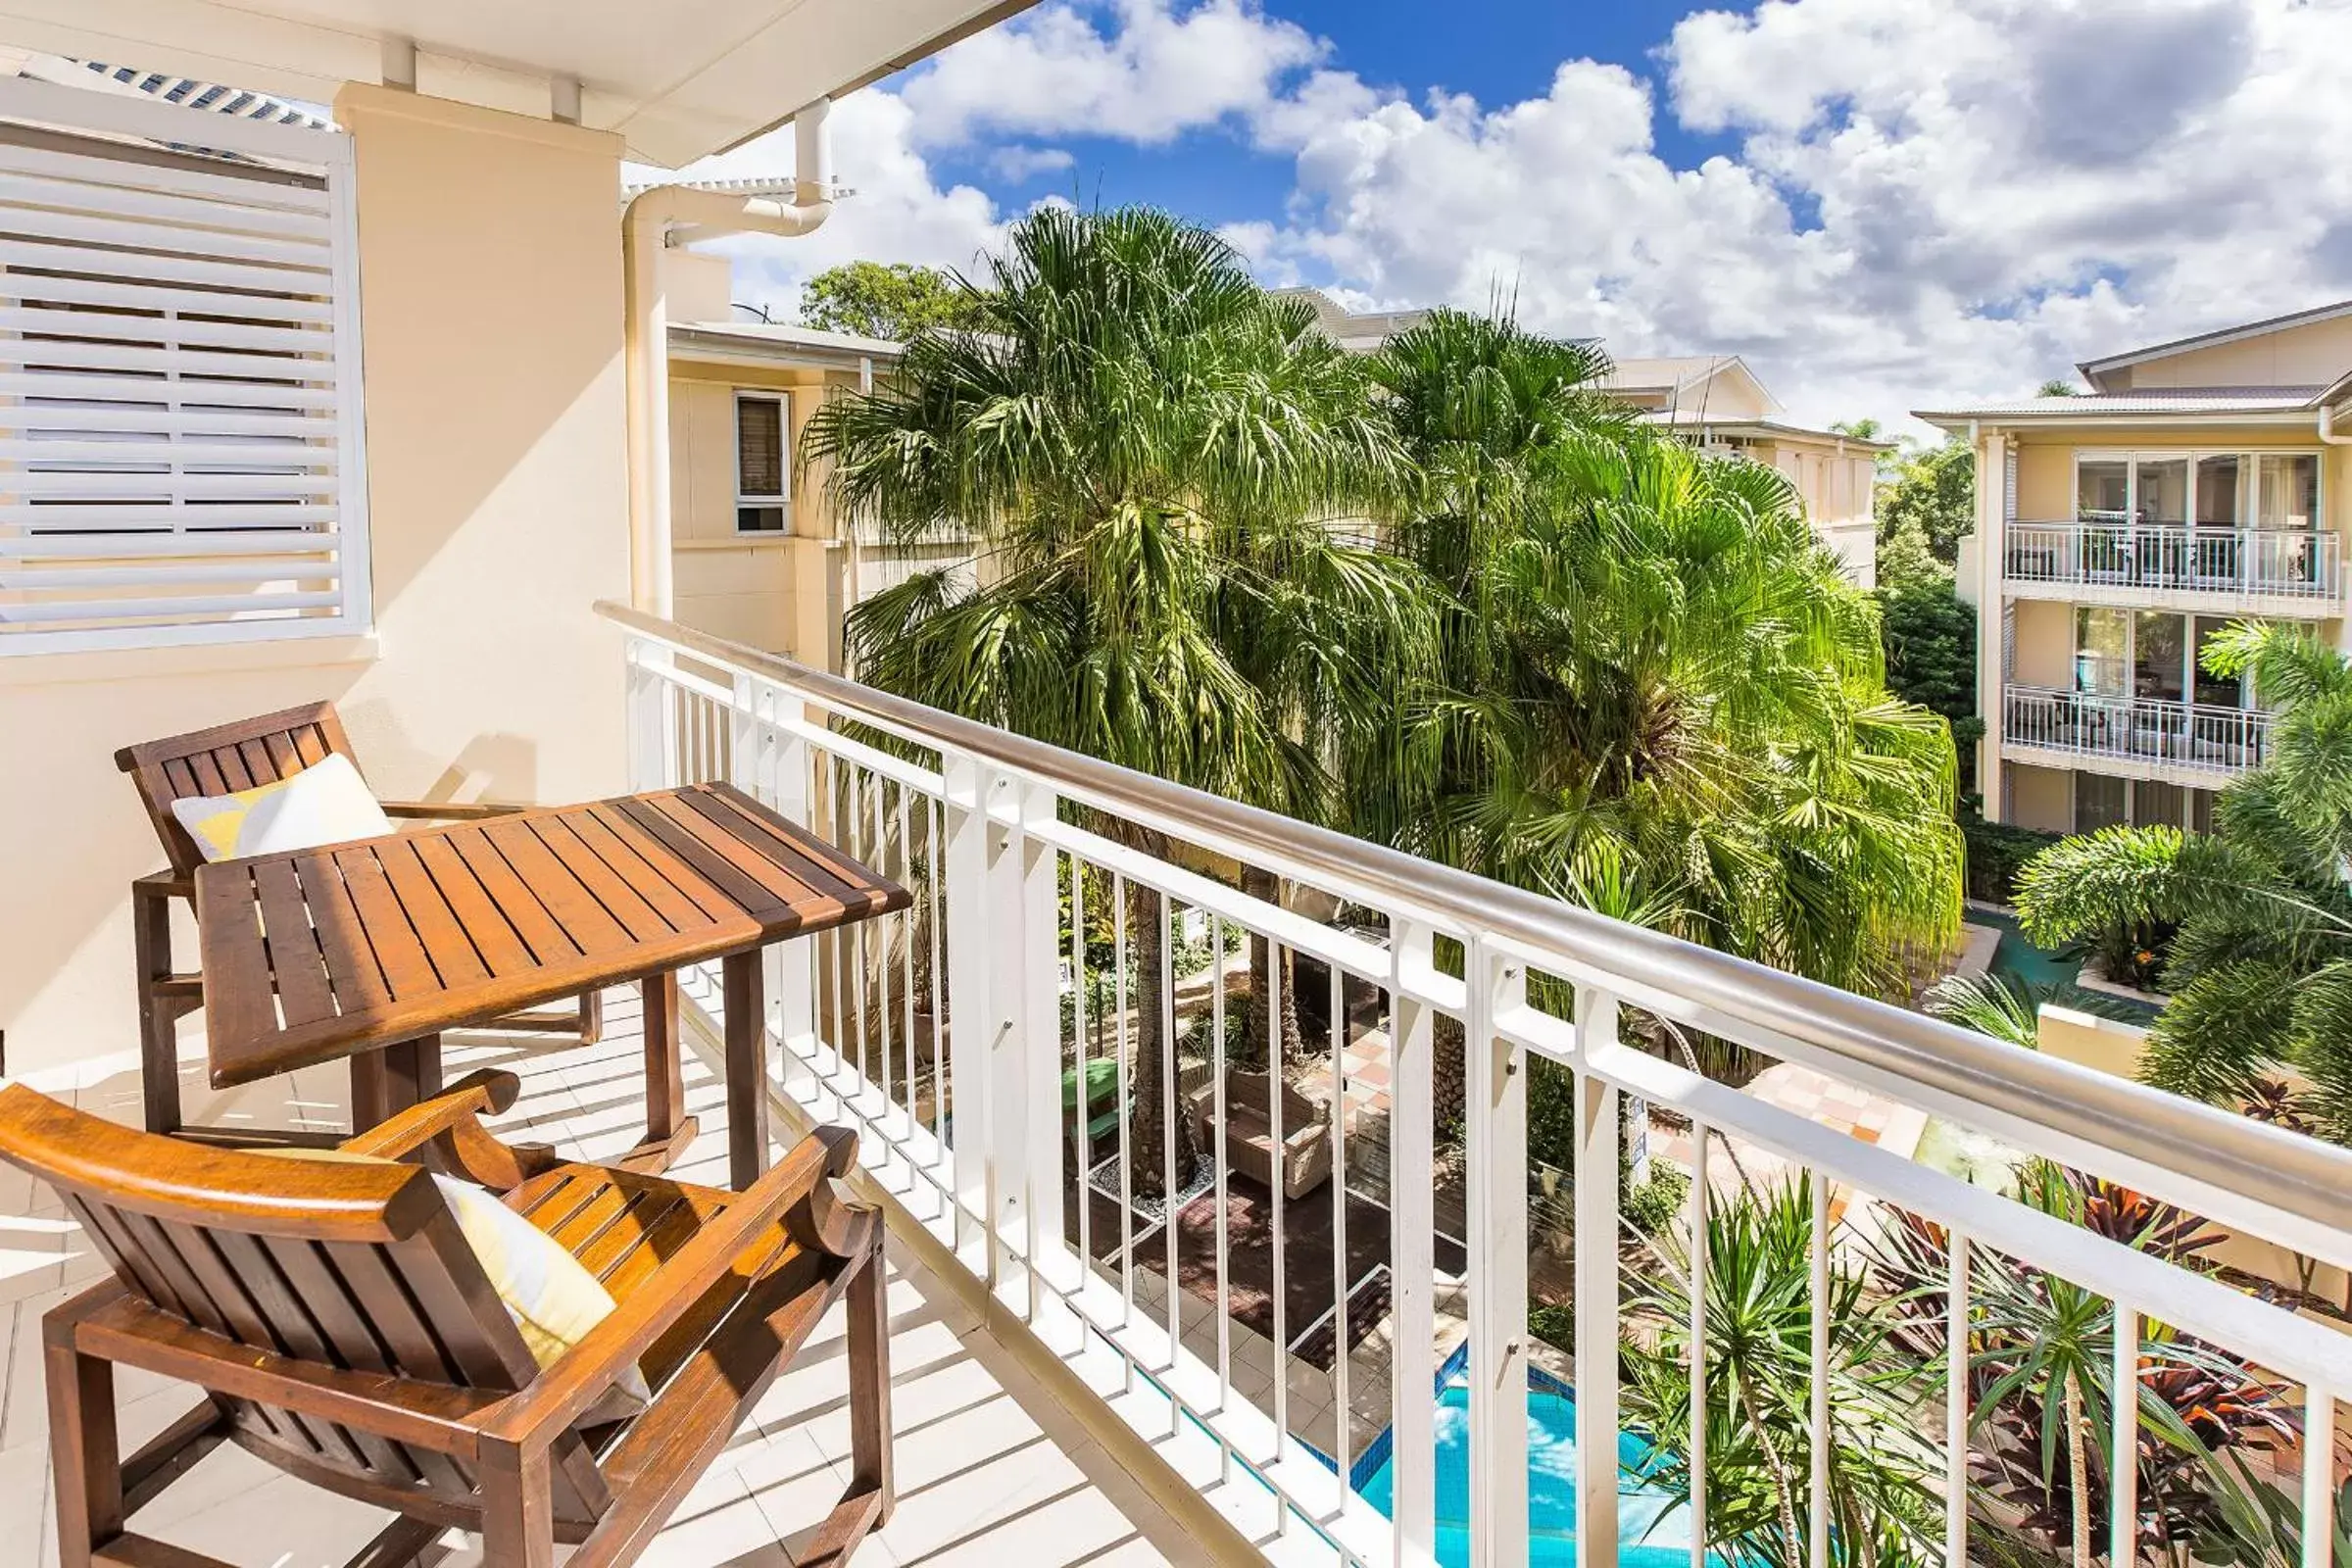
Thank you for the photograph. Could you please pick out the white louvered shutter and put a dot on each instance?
(181, 454)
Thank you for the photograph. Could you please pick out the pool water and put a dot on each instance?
(2018, 957)
(1654, 1531)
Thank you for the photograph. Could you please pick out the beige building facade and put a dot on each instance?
(341, 414)
(2199, 484)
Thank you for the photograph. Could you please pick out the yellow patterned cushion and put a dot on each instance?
(552, 1298)
(327, 803)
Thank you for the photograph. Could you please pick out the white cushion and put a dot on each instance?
(327, 803)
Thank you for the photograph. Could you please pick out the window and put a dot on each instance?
(182, 393)
(2102, 650)
(2098, 802)
(759, 462)
(2273, 491)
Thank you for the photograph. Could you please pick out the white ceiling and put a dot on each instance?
(679, 78)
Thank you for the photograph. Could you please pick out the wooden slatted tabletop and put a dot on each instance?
(316, 954)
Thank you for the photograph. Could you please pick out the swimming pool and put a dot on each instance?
(1654, 1530)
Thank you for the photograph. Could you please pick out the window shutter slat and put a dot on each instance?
(180, 443)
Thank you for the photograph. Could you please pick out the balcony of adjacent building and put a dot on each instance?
(2232, 532)
(2126, 693)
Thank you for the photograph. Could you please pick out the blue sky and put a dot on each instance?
(1498, 51)
(1881, 205)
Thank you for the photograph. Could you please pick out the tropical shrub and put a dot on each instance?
(1996, 853)
(1884, 1477)
(2040, 1371)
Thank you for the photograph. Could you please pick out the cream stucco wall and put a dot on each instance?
(2041, 797)
(2311, 355)
(491, 322)
(781, 592)
(2045, 644)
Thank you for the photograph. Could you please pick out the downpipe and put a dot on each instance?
(655, 220)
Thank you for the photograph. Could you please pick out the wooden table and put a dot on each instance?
(368, 950)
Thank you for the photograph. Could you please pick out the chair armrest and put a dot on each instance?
(448, 810)
(163, 885)
(465, 1101)
(1314, 1134)
(564, 1392)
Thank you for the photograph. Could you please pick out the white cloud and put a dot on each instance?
(1142, 71)
(1021, 164)
(1932, 198)
(1926, 199)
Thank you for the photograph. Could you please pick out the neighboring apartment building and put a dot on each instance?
(1716, 402)
(759, 553)
(2200, 482)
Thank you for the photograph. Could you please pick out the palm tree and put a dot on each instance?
(2261, 965)
(1656, 676)
(1152, 453)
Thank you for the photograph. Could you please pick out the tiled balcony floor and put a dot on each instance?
(990, 1468)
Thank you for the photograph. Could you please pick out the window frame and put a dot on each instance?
(780, 399)
(2249, 500)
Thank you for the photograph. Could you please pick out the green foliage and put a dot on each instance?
(1650, 1205)
(2057, 386)
(1662, 697)
(2040, 1358)
(1997, 1004)
(894, 301)
(1884, 1507)
(1153, 454)
(1931, 640)
(1996, 853)
(2260, 964)
(1933, 491)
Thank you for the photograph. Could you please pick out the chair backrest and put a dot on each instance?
(224, 758)
(353, 1266)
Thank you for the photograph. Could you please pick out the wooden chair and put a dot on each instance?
(215, 762)
(1303, 1161)
(341, 1329)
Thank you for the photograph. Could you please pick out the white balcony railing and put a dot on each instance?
(2190, 736)
(2296, 564)
(947, 1036)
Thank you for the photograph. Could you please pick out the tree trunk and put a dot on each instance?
(1449, 1070)
(2077, 1474)
(1257, 1028)
(1156, 1115)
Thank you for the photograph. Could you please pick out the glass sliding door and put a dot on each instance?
(2103, 511)
(2287, 503)
(2159, 657)
(2214, 554)
(2102, 650)
(2214, 691)
(2098, 802)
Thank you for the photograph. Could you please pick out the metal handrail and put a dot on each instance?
(2256, 1164)
(2271, 562)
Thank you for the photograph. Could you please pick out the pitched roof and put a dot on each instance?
(2092, 370)
(2200, 401)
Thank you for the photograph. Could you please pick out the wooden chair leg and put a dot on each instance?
(668, 1130)
(371, 1091)
(158, 1038)
(519, 1518)
(84, 1454)
(592, 1017)
(870, 1384)
(745, 984)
